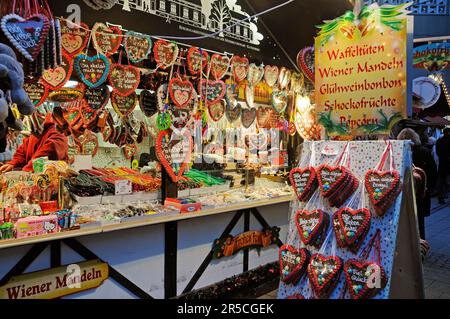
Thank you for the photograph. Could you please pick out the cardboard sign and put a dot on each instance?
(56, 282)
(123, 187)
(360, 73)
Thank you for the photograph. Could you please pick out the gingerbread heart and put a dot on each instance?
(239, 68)
(89, 143)
(56, 78)
(233, 112)
(263, 115)
(197, 60)
(297, 81)
(129, 150)
(181, 92)
(305, 61)
(353, 223)
(279, 101)
(74, 37)
(26, 35)
(173, 151)
(382, 184)
(166, 53)
(37, 92)
(88, 115)
(304, 182)
(124, 79)
(255, 74)
(248, 117)
(213, 90)
(97, 98)
(216, 110)
(284, 77)
(137, 45)
(123, 105)
(258, 141)
(250, 96)
(147, 103)
(309, 224)
(106, 39)
(329, 177)
(219, 66)
(364, 279)
(94, 70)
(323, 274)
(293, 263)
(271, 74)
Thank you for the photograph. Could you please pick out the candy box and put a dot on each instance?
(183, 205)
(36, 225)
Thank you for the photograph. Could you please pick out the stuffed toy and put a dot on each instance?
(11, 90)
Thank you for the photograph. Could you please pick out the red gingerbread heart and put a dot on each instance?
(293, 263)
(213, 90)
(323, 274)
(219, 66)
(364, 279)
(74, 37)
(353, 224)
(304, 182)
(239, 68)
(383, 188)
(196, 60)
(330, 178)
(166, 53)
(309, 224)
(173, 151)
(181, 92)
(55, 78)
(124, 79)
(106, 39)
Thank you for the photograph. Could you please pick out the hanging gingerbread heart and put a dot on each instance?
(280, 101)
(219, 65)
(239, 68)
(263, 115)
(305, 61)
(323, 274)
(129, 150)
(97, 98)
(297, 81)
(293, 263)
(166, 53)
(93, 70)
(216, 110)
(147, 103)
(233, 112)
(173, 153)
(137, 46)
(197, 60)
(124, 79)
(383, 188)
(271, 74)
(258, 141)
(213, 90)
(309, 224)
(56, 78)
(304, 182)
(364, 279)
(284, 78)
(37, 92)
(74, 37)
(106, 39)
(89, 143)
(181, 92)
(330, 178)
(353, 223)
(88, 115)
(27, 35)
(250, 96)
(248, 117)
(123, 105)
(255, 74)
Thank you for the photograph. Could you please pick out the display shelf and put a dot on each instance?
(142, 221)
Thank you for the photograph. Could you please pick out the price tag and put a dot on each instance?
(329, 150)
(122, 187)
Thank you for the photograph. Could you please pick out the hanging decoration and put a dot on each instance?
(93, 70)
(255, 74)
(293, 263)
(74, 37)
(263, 116)
(98, 97)
(312, 226)
(305, 62)
(323, 274)
(123, 105)
(197, 60)
(304, 182)
(106, 39)
(36, 91)
(271, 74)
(214, 91)
(239, 68)
(124, 79)
(217, 110)
(181, 92)
(248, 117)
(166, 53)
(56, 78)
(219, 66)
(137, 46)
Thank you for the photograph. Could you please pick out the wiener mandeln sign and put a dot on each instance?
(360, 71)
(56, 282)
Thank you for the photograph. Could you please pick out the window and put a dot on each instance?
(195, 15)
(173, 8)
(238, 30)
(162, 5)
(186, 13)
(245, 32)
